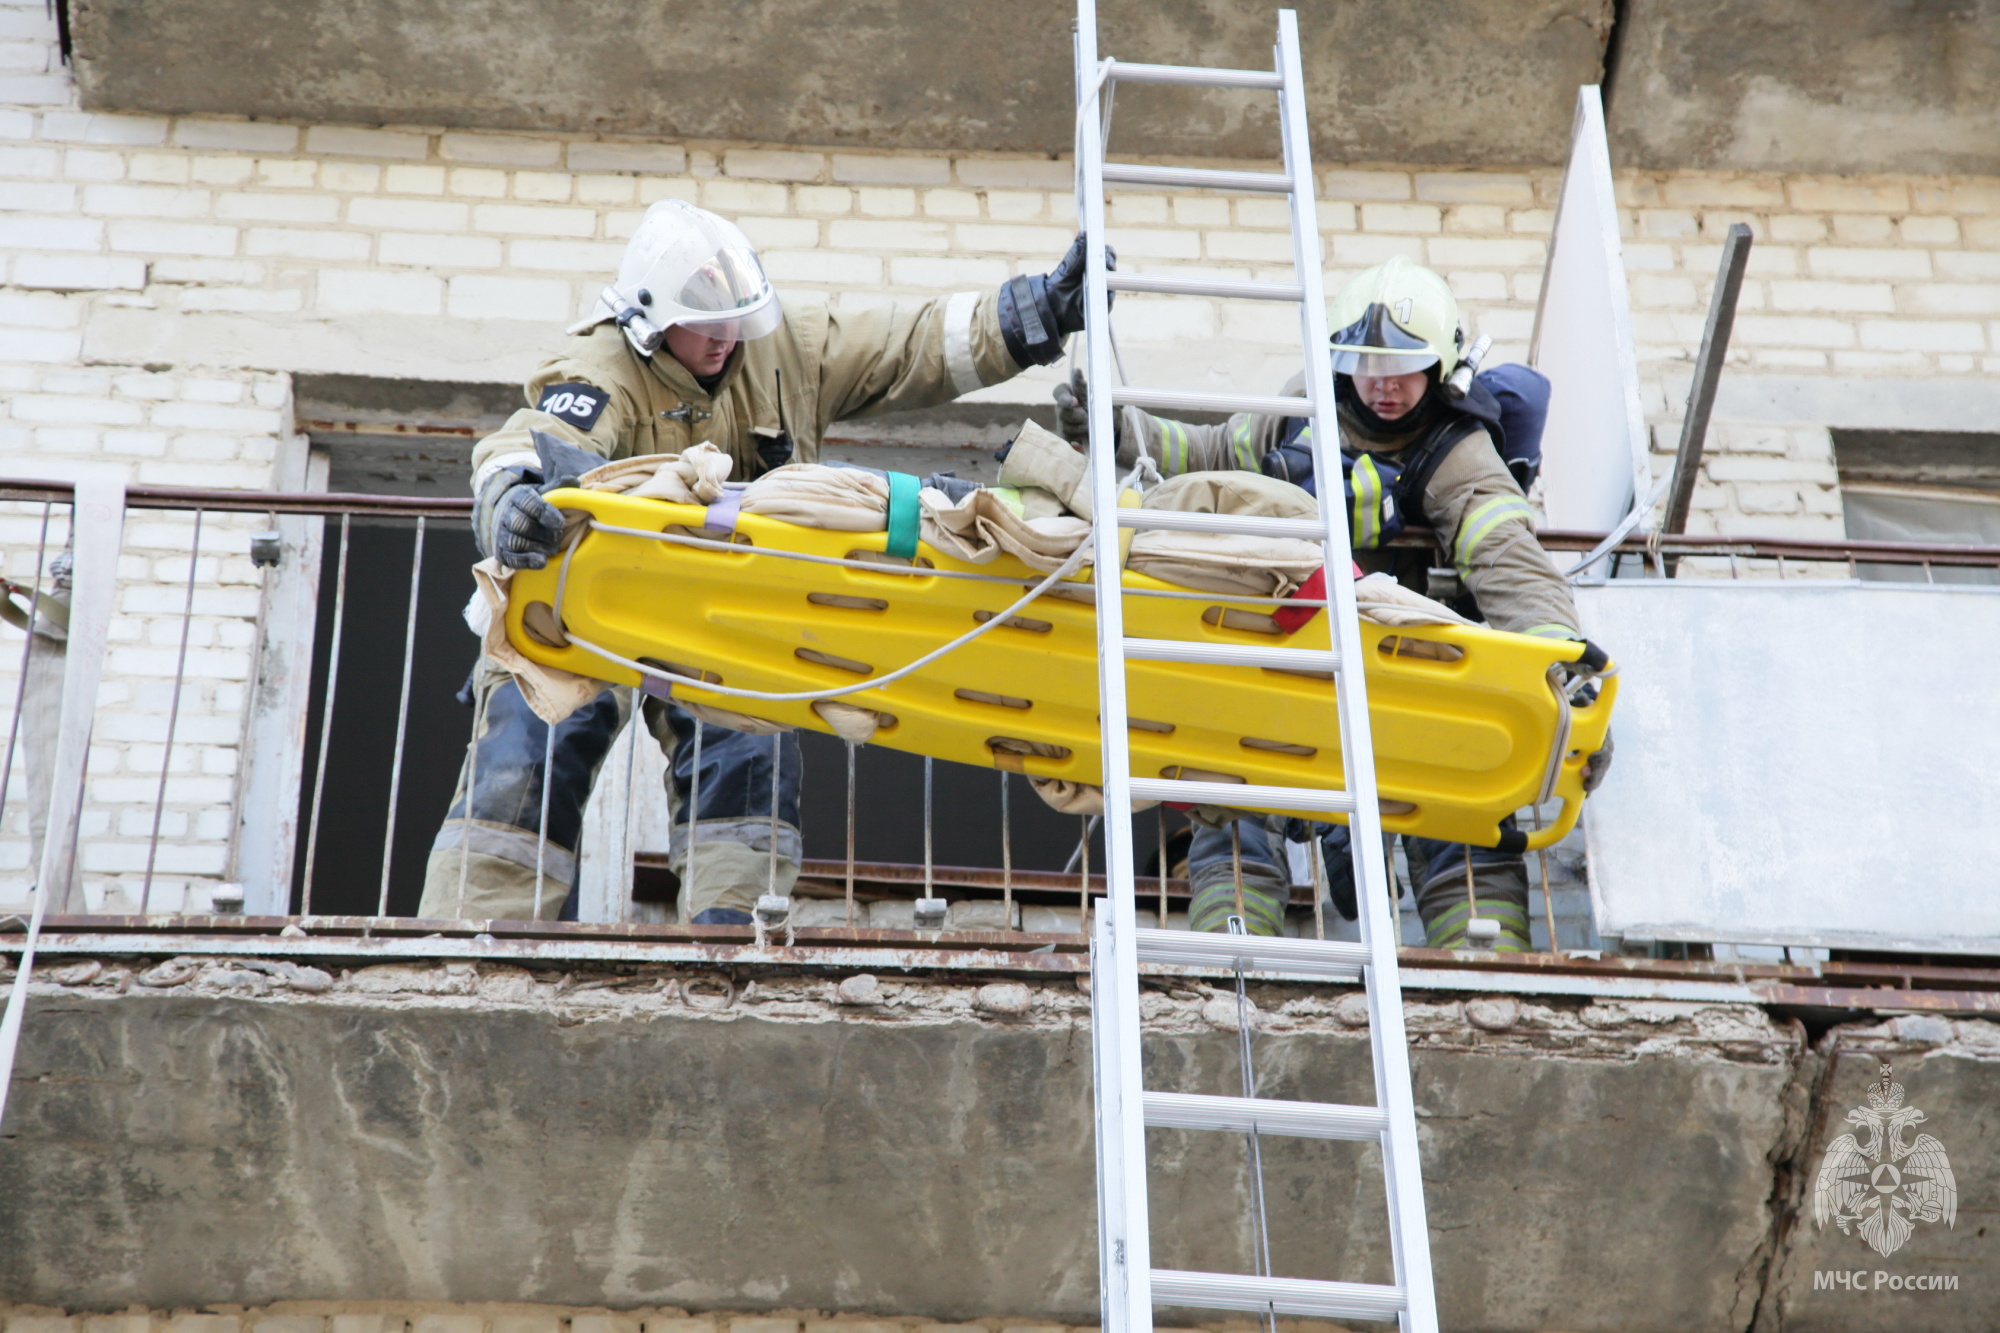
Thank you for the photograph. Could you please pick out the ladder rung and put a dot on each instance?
(1243, 795)
(1163, 284)
(1239, 525)
(1188, 400)
(1199, 948)
(1232, 654)
(1213, 78)
(1202, 178)
(1299, 1120)
(1280, 1295)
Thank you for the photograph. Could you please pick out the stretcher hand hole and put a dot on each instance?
(1397, 645)
(1228, 617)
(678, 669)
(837, 663)
(1294, 671)
(1180, 773)
(1028, 623)
(883, 721)
(998, 700)
(1147, 724)
(1010, 751)
(1278, 747)
(710, 534)
(851, 603)
(539, 620)
(884, 558)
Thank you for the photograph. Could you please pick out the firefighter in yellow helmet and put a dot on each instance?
(1424, 440)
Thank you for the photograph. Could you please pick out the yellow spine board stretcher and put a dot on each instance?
(1469, 725)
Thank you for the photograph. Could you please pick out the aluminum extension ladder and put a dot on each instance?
(1131, 1286)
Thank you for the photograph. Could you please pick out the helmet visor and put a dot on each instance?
(1375, 346)
(731, 279)
(731, 285)
(740, 328)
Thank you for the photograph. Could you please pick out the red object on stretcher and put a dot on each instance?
(1292, 618)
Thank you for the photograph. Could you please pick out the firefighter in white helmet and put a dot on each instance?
(690, 344)
(1420, 444)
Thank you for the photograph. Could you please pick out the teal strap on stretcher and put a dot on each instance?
(903, 512)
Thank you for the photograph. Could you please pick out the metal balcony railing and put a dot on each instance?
(238, 734)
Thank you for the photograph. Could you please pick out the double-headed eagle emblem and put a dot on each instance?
(1885, 1186)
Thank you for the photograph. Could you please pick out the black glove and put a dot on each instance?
(1336, 856)
(1596, 765)
(1073, 420)
(1073, 410)
(512, 523)
(1291, 462)
(1037, 313)
(955, 487)
(774, 448)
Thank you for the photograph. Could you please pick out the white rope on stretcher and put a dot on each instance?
(802, 696)
(916, 571)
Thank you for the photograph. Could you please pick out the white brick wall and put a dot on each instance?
(160, 279)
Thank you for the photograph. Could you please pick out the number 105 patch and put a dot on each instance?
(578, 404)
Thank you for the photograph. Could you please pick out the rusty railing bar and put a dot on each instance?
(326, 712)
(173, 719)
(403, 722)
(330, 503)
(850, 837)
(334, 504)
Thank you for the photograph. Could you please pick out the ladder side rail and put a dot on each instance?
(1402, 1175)
(1128, 1257)
(1114, 1162)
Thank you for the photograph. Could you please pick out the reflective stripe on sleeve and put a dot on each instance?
(1367, 504)
(958, 316)
(1480, 523)
(519, 458)
(1552, 631)
(1244, 458)
(1174, 446)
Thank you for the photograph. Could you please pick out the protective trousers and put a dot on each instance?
(484, 866)
(487, 865)
(1439, 871)
(739, 775)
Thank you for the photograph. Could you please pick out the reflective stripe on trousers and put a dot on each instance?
(494, 854)
(1500, 883)
(732, 834)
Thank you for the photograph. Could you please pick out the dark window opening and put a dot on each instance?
(1921, 486)
(361, 741)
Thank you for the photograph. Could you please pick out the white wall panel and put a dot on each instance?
(1594, 449)
(1805, 762)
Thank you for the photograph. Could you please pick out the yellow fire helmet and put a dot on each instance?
(1394, 319)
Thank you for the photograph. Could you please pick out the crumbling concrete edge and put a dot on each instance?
(394, 1316)
(1805, 1119)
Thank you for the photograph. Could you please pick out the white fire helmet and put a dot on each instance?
(686, 266)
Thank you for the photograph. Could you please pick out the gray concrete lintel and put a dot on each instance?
(205, 1131)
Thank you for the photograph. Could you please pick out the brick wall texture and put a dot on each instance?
(160, 279)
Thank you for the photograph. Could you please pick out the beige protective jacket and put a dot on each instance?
(599, 394)
(1472, 501)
